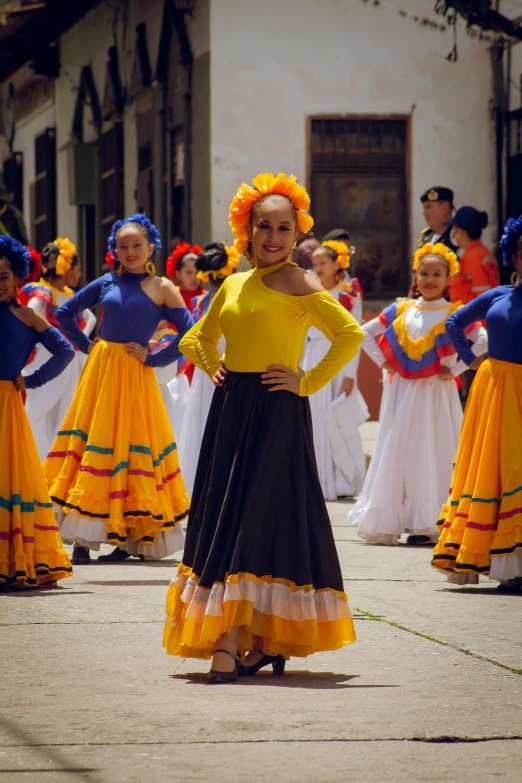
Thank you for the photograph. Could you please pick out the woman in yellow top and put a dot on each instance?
(260, 572)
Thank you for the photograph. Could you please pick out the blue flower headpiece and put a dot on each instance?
(142, 219)
(510, 237)
(17, 255)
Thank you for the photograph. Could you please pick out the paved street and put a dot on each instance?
(431, 691)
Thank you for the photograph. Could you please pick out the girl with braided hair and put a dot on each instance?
(31, 551)
(260, 573)
(113, 470)
(60, 273)
(421, 415)
(481, 523)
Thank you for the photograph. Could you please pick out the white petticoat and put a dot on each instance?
(194, 422)
(410, 473)
(339, 453)
(47, 406)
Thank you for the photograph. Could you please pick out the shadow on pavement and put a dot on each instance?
(38, 592)
(291, 679)
(130, 583)
(31, 745)
(480, 591)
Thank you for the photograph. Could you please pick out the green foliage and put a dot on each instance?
(474, 12)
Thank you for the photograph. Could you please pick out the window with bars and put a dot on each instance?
(358, 182)
(45, 188)
(111, 181)
(145, 184)
(13, 175)
(514, 164)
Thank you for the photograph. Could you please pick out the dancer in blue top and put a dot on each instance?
(481, 524)
(31, 551)
(113, 470)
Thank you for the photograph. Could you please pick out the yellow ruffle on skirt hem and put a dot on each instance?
(275, 616)
(482, 520)
(115, 460)
(31, 550)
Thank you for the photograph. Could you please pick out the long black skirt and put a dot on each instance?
(259, 551)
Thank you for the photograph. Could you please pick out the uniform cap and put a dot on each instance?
(437, 194)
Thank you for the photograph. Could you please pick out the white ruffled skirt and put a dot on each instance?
(341, 462)
(194, 421)
(410, 473)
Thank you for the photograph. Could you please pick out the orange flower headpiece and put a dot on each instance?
(342, 250)
(266, 185)
(437, 250)
(65, 257)
(177, 254)
(217, 274)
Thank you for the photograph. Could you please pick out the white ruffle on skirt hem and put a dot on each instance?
(75, 529)
(410, 473)
(339, 453)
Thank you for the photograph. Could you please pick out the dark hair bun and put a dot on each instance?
(50, 255)
(337, 235)
(484, 220)
(213, 258)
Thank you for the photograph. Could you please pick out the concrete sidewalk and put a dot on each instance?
(430, 692)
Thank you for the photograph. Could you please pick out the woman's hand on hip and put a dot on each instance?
(220, 376)
(445, 374)
(475, 364)
(282, 379)
(347, 387)
(137, 350)
(93, 343)
(19, 383)
(387, 366)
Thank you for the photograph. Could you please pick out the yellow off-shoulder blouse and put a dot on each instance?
(263, 327)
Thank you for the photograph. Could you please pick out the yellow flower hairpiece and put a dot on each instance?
(342, 250)
(65, 259)
(232, 263)
(437, 250)
(266, 185)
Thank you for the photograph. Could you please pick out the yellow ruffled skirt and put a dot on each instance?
(31, 550)
(481, 524)
(113, 469)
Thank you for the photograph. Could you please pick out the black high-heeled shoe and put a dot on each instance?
(277, 661)
(215, 676)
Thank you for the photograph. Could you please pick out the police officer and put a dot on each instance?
(437, 208)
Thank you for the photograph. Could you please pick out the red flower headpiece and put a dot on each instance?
(178, 253)
(35, 266)
(109, 260)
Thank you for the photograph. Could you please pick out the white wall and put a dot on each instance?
(273, 64)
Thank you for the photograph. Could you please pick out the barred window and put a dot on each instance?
(358, 178)
(45, 188)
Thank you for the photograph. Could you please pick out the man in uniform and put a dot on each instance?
(11, 219)
(437, 208)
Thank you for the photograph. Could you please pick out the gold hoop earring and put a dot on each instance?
(515, 280)
(294, 245)
(150, 268)
(121, 270)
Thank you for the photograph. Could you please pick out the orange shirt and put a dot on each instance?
(478, 273)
